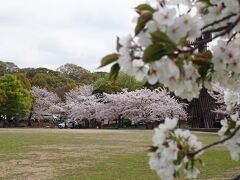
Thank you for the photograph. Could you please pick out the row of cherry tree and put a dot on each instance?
(82, 104)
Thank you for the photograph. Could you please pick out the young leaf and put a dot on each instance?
(144, 7)
(108, 59)
(153, 52)
(118, 44)
(205, 68)
(114, 71)
(142, 21)
(203, 57)
(162, 38)
(204, 1)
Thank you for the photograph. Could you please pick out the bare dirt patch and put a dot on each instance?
(47, 152)
(26, 169)
(44, 161)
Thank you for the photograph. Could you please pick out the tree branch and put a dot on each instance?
(219, 21)
(227, 29)
(216, 143)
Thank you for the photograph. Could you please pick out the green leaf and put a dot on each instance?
(114, 71)
(157, 51)
(142, 21)
(118, 44)
(180, 62)
(162, 38)
(203, 60)
(204, 1)
(144, 7)
(108, 60)
(153, 52)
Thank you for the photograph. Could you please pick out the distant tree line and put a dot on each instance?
(17, 102)
(143, 106)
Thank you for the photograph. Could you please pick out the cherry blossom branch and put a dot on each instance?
(216, 30)
(219, 21)
(228, 30)
(232, 37)
(216, 143)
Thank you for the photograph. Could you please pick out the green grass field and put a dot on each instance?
(52, 154)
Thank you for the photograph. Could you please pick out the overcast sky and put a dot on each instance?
(50, 33)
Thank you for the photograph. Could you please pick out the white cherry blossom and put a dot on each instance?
(170, 143)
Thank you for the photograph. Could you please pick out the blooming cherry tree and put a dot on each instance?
(142, 106)
(169, 46)
(78, 95)
(81, 104)
(139, 106)
(45, 103)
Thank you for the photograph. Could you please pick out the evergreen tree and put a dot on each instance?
(18, 99)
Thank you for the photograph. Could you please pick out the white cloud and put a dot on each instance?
(49, 33)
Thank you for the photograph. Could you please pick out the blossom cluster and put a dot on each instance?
(231, 99)
(229, 125)
(175, 28)
(226, 63)
(172, 151)
(170, 36)
(219, 9)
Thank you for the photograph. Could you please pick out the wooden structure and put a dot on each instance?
(200, 111)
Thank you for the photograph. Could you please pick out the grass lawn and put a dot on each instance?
(92, 155)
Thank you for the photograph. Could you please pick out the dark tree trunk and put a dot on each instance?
(90, 124)
(1, 119)
(3, 122)
(30, 117)
(6, 121)
(65, 126)
(119, 122)
(86, 123)
(95, 123)
(15, 122)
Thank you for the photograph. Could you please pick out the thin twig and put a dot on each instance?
(232, 37)
(219, 21)
(228, 30)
